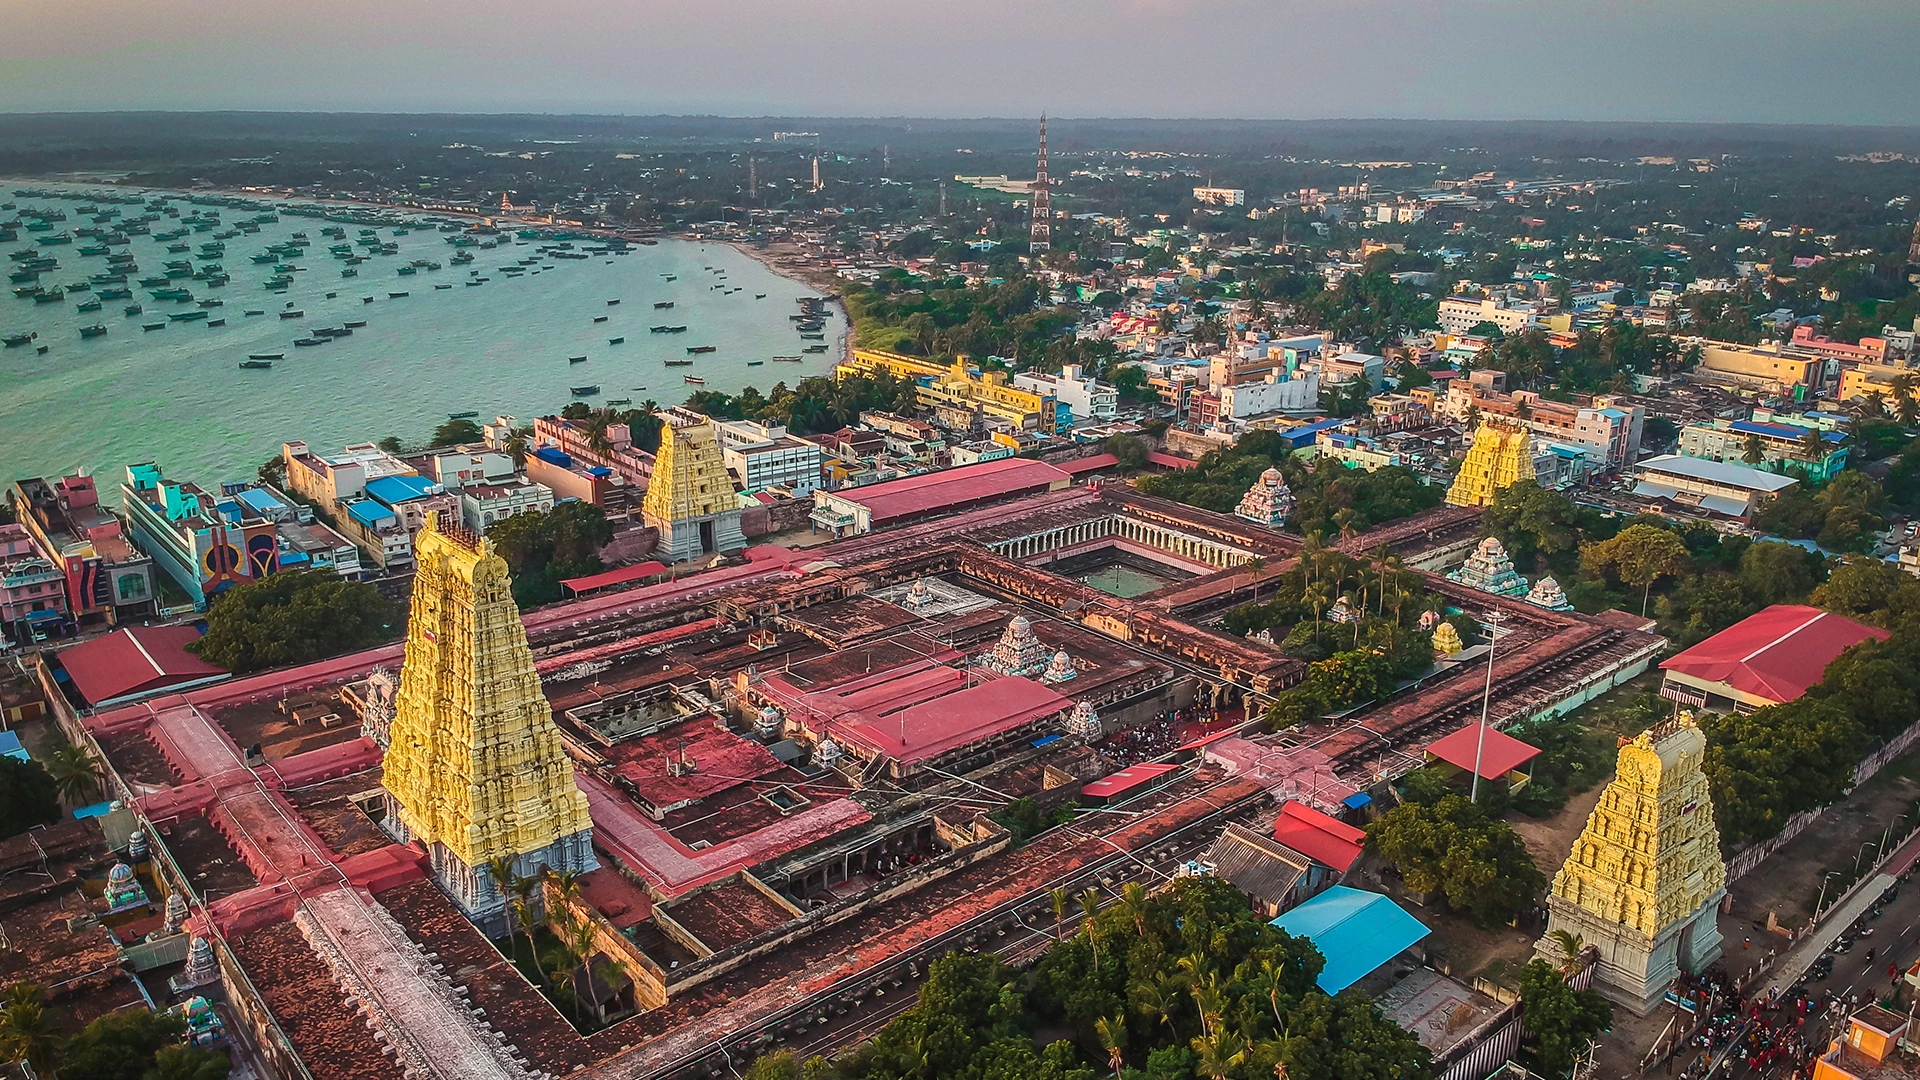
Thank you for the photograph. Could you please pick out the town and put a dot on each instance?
(1414, 626)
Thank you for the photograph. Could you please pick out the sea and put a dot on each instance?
(178, 397)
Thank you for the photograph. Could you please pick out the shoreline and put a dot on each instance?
(826, 283)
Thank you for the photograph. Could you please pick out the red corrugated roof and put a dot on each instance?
(934, 491)
(636, 572)
(135, 660)
(1319, 837)
(1090, 464)
(1126, 780)
(935, 718)
(1776, 654)
(1168, 461)
(1501, 754)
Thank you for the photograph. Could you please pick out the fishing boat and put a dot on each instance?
(187, 316)
(616, 402)
(468, 415)
(354, 324)
(153, 326)
(759, 296)
(815, 349)
(256, 365)
(696, 350)
(576, 359)
(266, 356)
(813, 337)
(91, 305)
(308, 342)
(616, 340)
(679, 363)
(331, 295)
(476, 281)
(256, 311)
(53, 296)
(349, 272)
(599, 318)
(694, 379)
(296, 313)
(611, 303)
(663, 304)
(42, 350)
(115, 294)
(442, 288)
(216, 322)
(213, 303)
(584, 391)
(396, 295)
(16, 340)
(786, 359)
(366, 299)
(96, 330)
(134, 309)
(671, 277)
(756, 363)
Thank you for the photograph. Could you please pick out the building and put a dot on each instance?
(1870, 350)
(1770, 369)
(414, 498)
(1720, 487)
(1358, 933)
(894, 502)
(1498, 757)
(1087, 397)
(379, 533)
(691, 498)
(1646, 899)
(135, 662)
(1220, 196)
(1782, 446)
(206, 544)
(992, 393)
(475, 769)
(1460, 314)
(557, 471)
(33, 592)
(1499, 457)
(107, 578)
(331, 482)
(483, 503)
(1345, 367)
(1867, 1049)
(1272, 875)
(613, 450)
(1606, 430)
(1279, 394)
(1769, 658)
(1354, 451)
(762, 456)
(455, 467)
(305, 543)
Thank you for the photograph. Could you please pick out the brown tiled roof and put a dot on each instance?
(328, 1034)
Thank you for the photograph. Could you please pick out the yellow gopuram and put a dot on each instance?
(475, 769)
(690, 500)
(1644, 881)
(1500, 457)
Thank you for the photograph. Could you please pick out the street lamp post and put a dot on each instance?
(1887, 836)
(1859, 854)
(1831, 874)
(1494, 618)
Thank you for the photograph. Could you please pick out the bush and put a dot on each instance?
(294, 617)
(1453, 848)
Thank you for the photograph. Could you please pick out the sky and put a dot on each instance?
(1793, 61)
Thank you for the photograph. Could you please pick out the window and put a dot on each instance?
(132, 587)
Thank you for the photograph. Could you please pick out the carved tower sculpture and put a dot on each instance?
(1644, 880)
(475, 769)
(1500, 457)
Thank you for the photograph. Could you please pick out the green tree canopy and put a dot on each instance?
(133, 1044)
(294, 617)
(29, 796)
(1477, 863)
(1768, 765)
(546, 547)
(1638, 555)
(455, 432)
(1560, 1019)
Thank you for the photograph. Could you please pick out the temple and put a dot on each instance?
(1446, 641)
(1268, 502)
(475, 769)
(1644, 880)
(1490, 570)
(1019, 652)
(1547, 593)
(1500, 457)
(691, 500)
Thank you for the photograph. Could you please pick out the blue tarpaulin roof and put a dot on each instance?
(399, 489)
(1356, 931)
(10, 747)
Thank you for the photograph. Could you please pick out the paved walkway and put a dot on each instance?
(1802, 954)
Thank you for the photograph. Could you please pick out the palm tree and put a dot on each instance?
(1059, 897)
(1318, 595)
(1269, 980)
(1113, 1039)
(1133, 897)
(179, 1062)
(1210, 1001)
(1755, 451)
(1156, 1000)
(1905, 405)
(1220, 1053)
(76, 775)
(1090, 907)
(1570, 945)
(25, 1033)
(1813, 445)
(580, 944)
(500, 871)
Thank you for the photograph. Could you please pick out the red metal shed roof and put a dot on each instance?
(1776, 654)
(1168, 461)
(1319, 837)
(1126, 780)
(954, 488)
(618, 576)
(1501, 755)
(135, 660)
(1095, 463)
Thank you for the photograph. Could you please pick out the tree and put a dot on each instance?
(76, 775)
(1112, 1031)
(542, 548)
(294, 617)
(1637, 555)
(1131, 450)
(273, 472)
(1476, 862)
(390, 444)
(1755, 451)
(1570, 945)
(129, 1044)
(26, 1034)
(28, 796)
(1561, 1020)
(1769, 765)
(455, 432)
(1532, 522)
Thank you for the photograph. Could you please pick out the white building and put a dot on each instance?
(483, 504)
(1089, 398)
(456, 467)
(1459, 314)
(1276, 394)
(763, 456)
(1220, 196)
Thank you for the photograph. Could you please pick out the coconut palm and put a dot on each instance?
(1156, 1000)
(580, 944)
(1059, 897)
(1268, 981)
(1570, 945)
(1133, 897)
(1254, 567)
(76, 775)
(1090, 907)
(1211, 1001)
(1112, 1033)
(1220, 1052)
(25, 1032)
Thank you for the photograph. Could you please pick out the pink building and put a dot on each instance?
(1871, 350)
(572, 438)
(33, 591)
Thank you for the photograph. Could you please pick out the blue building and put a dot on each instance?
(1356, 931)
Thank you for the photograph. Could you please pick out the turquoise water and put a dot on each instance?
(177, 396)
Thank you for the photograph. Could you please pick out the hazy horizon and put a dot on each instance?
(1700, 61)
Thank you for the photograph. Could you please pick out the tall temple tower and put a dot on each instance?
(1500, 457)
(1644, 881)
(475, 769)
(1040, 236)
(690, 498)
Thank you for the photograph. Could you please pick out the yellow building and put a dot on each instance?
(1644, 880)
(1858, 382)
(955, 385)
(475, 769)
(1762, 367)
(875, 361)
(690, 498)
(1500, 457)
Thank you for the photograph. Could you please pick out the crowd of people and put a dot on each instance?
(1774, 1036)
(1163, 735)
